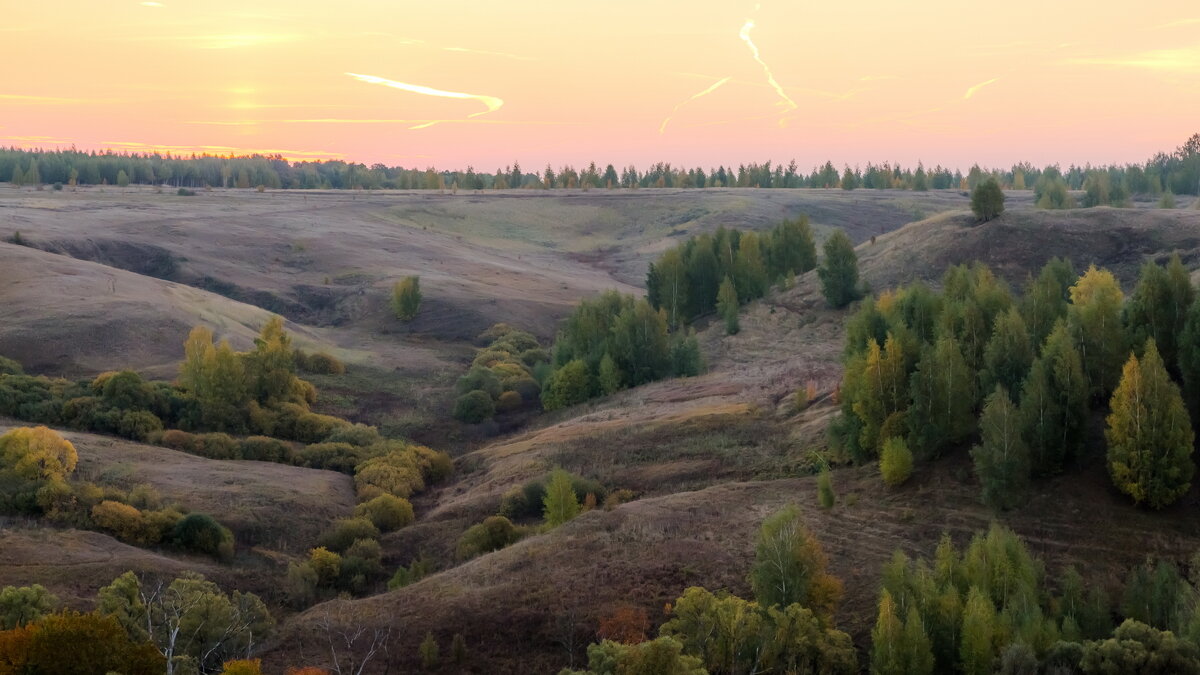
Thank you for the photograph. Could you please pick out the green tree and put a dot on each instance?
(18, 178)
(1149, 434)
(20, 606)
(560, 503)
(987, 199)
(977, 648)
(122, 178)
(271, 365)
(789, 566)
(887, 640)
(671, 276)
(1189, 358)
(727, 306)
(1002, 457)
(428, 652)
(943, 395)
(609, 377)
(1159, 307)
(640, 345)
(1008, 355)
(1045, 299)
(1137, 648)
(793, 250)
(406, 298)
(895, 461)
(839, 271)
(750, 269)
(1095, 316)
(567, 386)
(883, 391)
(1054, 404)
(214, 376)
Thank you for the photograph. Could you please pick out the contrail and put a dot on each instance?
(744, 34)
(493, 103)
(971, 91)
(711, 88)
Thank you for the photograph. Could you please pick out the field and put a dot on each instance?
(115, 278)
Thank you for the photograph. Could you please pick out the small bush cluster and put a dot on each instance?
(503, 376)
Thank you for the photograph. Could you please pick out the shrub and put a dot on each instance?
(265, 449)
(428, 651)
(509, 401)
(347, 531)
(895, 461)
(326, 564)
(319, 363)
(242, 666)
(341, 457)
(24, 605)
(386, 512)
(474, 407)
(180, 440)
(493, 534)
(825, 491)
(217, 446)
(201, 533)
(437, 465)
(184, 192)
(123, 520)
(362, 562)
(417, 570)
(406, 298)
(359, 435)
(139, 424)
(397, 473)
(479, 378)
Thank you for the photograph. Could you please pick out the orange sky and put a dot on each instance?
(537, 81)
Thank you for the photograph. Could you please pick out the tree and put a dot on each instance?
(406, 298)
(1159, 307)
(567, 386)
(458, 649)
(640, 345)
(24, 605)
(671, 276)
(72, 643)
(887, 640)
(1054, 404)
(977, 648)
(839, 271)
(789, 566)
(1149, 434)
(1189, 358)
(943, 395)
(1045, 299)
(1137, 648)
(1002, 457)
(199, 532)
(727, 306)
(987, 199)
(214, 376)
(36, 454)
(561, 503)
(122, 178)
(271, 365)
(387, 512)
(428, 651)
(883, 391)
(793, 250)
(1008, 355)
(895, 461)
(750, 269)
(189, 617)
(1095, 316)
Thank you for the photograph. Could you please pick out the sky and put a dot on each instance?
(698, 83)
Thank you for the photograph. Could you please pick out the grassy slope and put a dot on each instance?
(705, 498)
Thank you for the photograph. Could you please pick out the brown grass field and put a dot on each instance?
(709, 457)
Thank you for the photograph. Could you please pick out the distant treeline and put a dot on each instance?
(1177, 172)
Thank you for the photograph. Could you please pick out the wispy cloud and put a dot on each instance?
(786, 101)
(1180, 22)
(492, 103)
(662, 128)
(137, 146)
(1186, 59)
(971, 91)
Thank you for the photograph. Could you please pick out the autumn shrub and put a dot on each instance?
(386, 512)
(10, 367)
(895, 461)
(474, 407)
(122, 520)
(242, 667)
(265, 449)
(217, 446)
(341, 457)
(319, 363)
(361, 563)
(138, 424)
(37, 453)
(72, 643)
(180, 440)
(358, 435)
(297, 423)
(625, 624)
(347, 531)
(397, 473)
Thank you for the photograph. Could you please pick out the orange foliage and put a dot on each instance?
(627, 625)
(242, 667)
(14, 650)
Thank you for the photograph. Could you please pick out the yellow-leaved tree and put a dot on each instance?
(1149, 434)
(37, 454)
